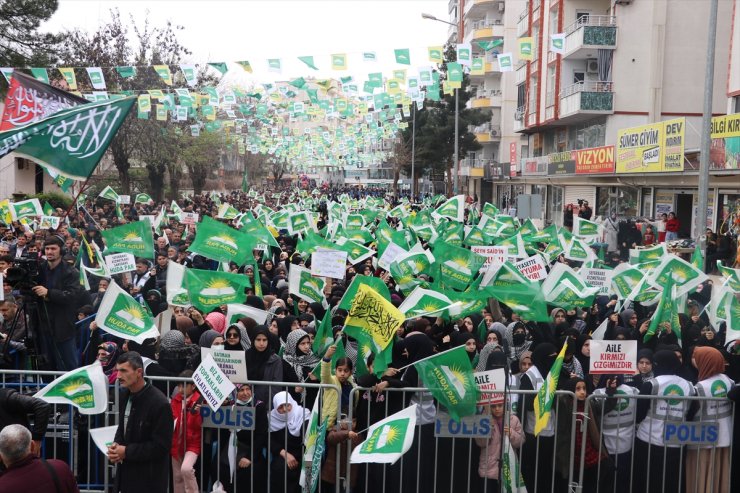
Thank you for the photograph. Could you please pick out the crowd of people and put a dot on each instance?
(161, 426)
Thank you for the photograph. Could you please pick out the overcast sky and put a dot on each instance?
(255, 30)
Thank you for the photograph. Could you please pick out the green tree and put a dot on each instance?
(435, 128)
(201, 156)
(21, 44)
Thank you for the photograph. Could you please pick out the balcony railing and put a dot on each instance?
(477, 163)
(587, 86)
(487, 93)
(592, 20)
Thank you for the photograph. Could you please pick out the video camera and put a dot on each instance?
(23, 274)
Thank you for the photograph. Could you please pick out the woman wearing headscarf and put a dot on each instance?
(419, 460)
(300, 357)
(217, 321)
(210, 338)
(236, 338)
(264, 365)
(518, 344)
(708, 466)
(107, 355)
(286, 325)
(155, 301)
(541, 474)
(287, 421)
(176, 356)
(468, 340)
(651, 451)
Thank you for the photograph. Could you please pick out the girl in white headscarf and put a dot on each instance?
(287, 427)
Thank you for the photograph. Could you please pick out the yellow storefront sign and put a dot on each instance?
(726, 126)
(654, 148)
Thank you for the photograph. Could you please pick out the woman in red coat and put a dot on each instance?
(187, 436)
(671, 227)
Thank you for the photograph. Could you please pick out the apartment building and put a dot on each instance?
(624, 64)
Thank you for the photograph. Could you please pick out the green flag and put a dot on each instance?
(546, 394)
(210, 289)
(302, 284)
(697, 259)
(26, 208)
(220, 242)
(110, 194)
(142, 198)
(135, 238)
(85, 388)
(373, 282)
(453, 208)
(70, 142)
(122, 316)
(458, 266)
(449, 377)
(388, 439)
(666, 315)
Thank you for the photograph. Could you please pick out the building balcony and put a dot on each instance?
(484, 30)
(588, 34)
(521, 74)
(487, 133)
(478, 8)
(522, 27)
(584, 99)
(486, 99)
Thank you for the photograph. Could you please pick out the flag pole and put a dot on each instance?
(82, 189)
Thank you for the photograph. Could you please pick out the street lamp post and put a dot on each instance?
(456, 178)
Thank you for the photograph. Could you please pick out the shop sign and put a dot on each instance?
(654, 148)
(534, 165)
(724, 152)
(561, 163)
(595, 160)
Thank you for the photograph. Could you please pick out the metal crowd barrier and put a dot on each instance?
(686, 437)
(444, 457)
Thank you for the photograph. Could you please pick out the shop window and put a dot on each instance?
(646, 209)
(622, 200)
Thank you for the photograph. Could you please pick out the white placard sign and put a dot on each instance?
(232, 363)
(212, 383)
(329, 263)
(49, 222)
(392, 251)
(124, 199)
(613, 358)
(534, 267)
(189, 218)
(103, 437)
(601, 278)
(488, 381)
(120, 262)
(496, 255)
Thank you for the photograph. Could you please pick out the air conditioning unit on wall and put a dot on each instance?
(592, 66)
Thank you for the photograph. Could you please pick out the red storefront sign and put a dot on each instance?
(595, 160)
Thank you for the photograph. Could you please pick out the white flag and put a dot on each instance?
(85, 388)
(121, 315)
(387, 440)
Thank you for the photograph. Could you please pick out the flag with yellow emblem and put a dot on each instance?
(388, 439)
(85, 388)
(449, 377)
(122, 316)
(546, 394)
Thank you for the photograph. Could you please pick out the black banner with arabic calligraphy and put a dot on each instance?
(30, 100)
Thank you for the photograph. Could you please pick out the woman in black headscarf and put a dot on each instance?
(651, 452)
(175, 355)
(285, 325)
(417, 465)
(234, 338)
(264, 365)
(534, 472)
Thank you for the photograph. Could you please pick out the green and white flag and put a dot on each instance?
(26, 208)
(585, 228)
(731, 277)
(85, 388)
(424, 303)
(209, 289)
(234, 312)
(511, 475)
(517, 248)
(388, 439)
(375, 283)
(220, 242)
(110, 194)
(135, 238)
(625, 279)
(176, 210)
(666, 315)
(457, 266)
(313, 446)
(731, 314)
(650, 254)
(299, 222)
(70, 142)
(453, 208)
(122, 316)
(675, 270)
(302, 284)
(142, 198)
(177, 293)
(449, 377)
(227, 211)
(546, 394)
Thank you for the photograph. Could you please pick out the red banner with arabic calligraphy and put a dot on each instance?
(30, 100)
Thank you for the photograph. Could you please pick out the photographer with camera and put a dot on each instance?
(58, 291)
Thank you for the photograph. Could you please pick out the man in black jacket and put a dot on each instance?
(15, 409)
(58, 293)
(142, 444)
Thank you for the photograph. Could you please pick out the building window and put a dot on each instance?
(622, 200)
(578, 77)
(591, 133)
(647, 202)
